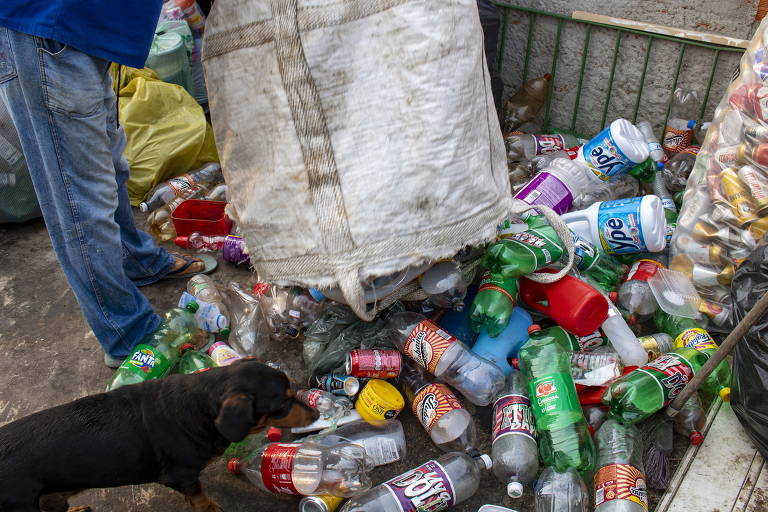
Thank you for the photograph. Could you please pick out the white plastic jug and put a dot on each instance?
(614, 151)
(622, 226)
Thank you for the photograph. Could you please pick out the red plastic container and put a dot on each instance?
(198, 215)
(573, 304)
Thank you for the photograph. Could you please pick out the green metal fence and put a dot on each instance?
(514, 21)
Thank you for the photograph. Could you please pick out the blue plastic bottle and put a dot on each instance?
(458, 322)
(506, 344)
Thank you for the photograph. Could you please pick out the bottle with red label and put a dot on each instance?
(524, 146)
(635, 293)
(439, 411)
(444, 356)
(564, 438)
(620, 478)
(514, 451)
(307, 469)
(678, 133)
(493, 304)
(329, 406)
(435, 485)
(638, 394)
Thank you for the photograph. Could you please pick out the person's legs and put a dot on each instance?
(55, 95)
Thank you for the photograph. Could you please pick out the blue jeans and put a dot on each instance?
(63, 106)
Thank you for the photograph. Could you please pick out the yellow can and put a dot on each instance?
(738, 196)
(379, 400)
(320, 503)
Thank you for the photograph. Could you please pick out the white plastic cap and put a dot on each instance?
(143, 207)
(514, 489)
(487, 460)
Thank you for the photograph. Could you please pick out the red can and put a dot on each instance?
(374, 363)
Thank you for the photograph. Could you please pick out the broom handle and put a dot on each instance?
(721, 353)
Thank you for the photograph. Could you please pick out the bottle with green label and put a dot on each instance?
(639, 394)
(564, 438)
(157, 354)
(493, 304)
(687, 333)
(193, 361)
(520, 254)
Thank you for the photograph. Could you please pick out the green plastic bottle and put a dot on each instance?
(687, 333)
(520, 254)
(604, 269)
(157, 354)
(564, 438)
(639, 394)
(193, 361)
(493, 304)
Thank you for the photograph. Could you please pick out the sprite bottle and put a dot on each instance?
(520, 254)
(564, 438)
(639, 394)
(493, 304)
(157, 353)
(193, 361)
(687, 333)
(604, 269)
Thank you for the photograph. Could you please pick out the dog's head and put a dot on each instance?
(258, 396)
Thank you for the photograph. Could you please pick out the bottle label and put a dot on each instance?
(672, 372)
(223, 355)
(695, 338)
(654, 146)
(619, 226)
(512, 415)
(620, 482)
(309, 397)
(590, 341)
(506, 287)
(147, 361)
(553, 397)
(604, 158)
(276, 467)
(375, 363)
(548, 190)
(382, 450)
(543, 249)
(675, 140)
(643, 270)
(668, 203)
(432, 403)
(427, 488)
(549, 143)
(426, 344)
(181, 184)
(584, 253)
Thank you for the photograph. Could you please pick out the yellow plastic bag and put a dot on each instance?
(166, 130)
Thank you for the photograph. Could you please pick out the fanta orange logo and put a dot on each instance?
(144, 359)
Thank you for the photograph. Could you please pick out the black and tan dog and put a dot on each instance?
(163, 431)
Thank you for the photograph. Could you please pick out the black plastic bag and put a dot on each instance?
(749, 396)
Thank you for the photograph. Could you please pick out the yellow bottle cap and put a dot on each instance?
(725, 394)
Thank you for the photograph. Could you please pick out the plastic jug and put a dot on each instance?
(614, 151)
(622, 226)
(506, 344)
(573, 304)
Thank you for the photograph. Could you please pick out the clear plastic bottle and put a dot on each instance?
(514, 451)
(159, 222)
(558, 185)
(444, 285)
(620, 478)
(383, 442)
(635, 293)
(679, 167)
(654, 146)
(250, 331)
(252, 443)
(202, 287)
(209, 174)
(691, 420)
(678, 133)
(453, 478)
(449, 425)
(526, 103)
(327, 404)
(595, 415)
(522, 146)
(292, 468)
(564, 439)
(561, 492)
(622, 187)
(622, 339)
(446, 357)
(595, 368)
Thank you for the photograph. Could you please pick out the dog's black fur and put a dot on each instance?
(163, 431)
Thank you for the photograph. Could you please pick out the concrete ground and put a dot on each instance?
(49, 356)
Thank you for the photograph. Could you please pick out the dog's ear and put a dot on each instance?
(235, 417)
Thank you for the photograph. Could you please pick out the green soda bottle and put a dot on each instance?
(564, 438)
(193, 361)
(687, 333)
(157, 354)
(252, 443)
(639, 394)
(604, 269)
(520, 254)
(493, 304)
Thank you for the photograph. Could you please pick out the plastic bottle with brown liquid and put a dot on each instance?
(526, 103)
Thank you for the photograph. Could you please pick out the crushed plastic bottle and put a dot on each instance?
(561, 492)
(329, 406)
(595, 368)
(620, 478)
(691, 420)
(249, 330)
(558, 185)
(444, 285)
(679, 167)
(635, 293)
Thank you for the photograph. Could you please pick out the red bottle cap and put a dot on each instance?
(632, 319)
(696, 438)
(534, 328)
(182, 241)
(234, 466)
(614, 296)
(185, 347)
(514, 363)
(274, 434)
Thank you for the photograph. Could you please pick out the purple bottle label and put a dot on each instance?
(549, 190)
(549, 143)
(426, 488)
(512, 415)
(232, 250)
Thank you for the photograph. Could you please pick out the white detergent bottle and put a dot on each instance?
(614, 151)
(622, 226)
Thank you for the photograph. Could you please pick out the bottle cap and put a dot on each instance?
(185, 347)
(486, 460)
(182, 241)
(192, 306)
(514, 489)
(234, 466)
(660, 165)
(143, 207)
(534, 328)
(274, 434)
(696, 438)
(224, 333)
(725, 394)
(613, 296)
(691, 124)
(514, 363)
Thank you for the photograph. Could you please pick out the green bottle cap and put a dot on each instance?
(192, 307)
(224, 333)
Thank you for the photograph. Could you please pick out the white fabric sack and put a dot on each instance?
(357, 137)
